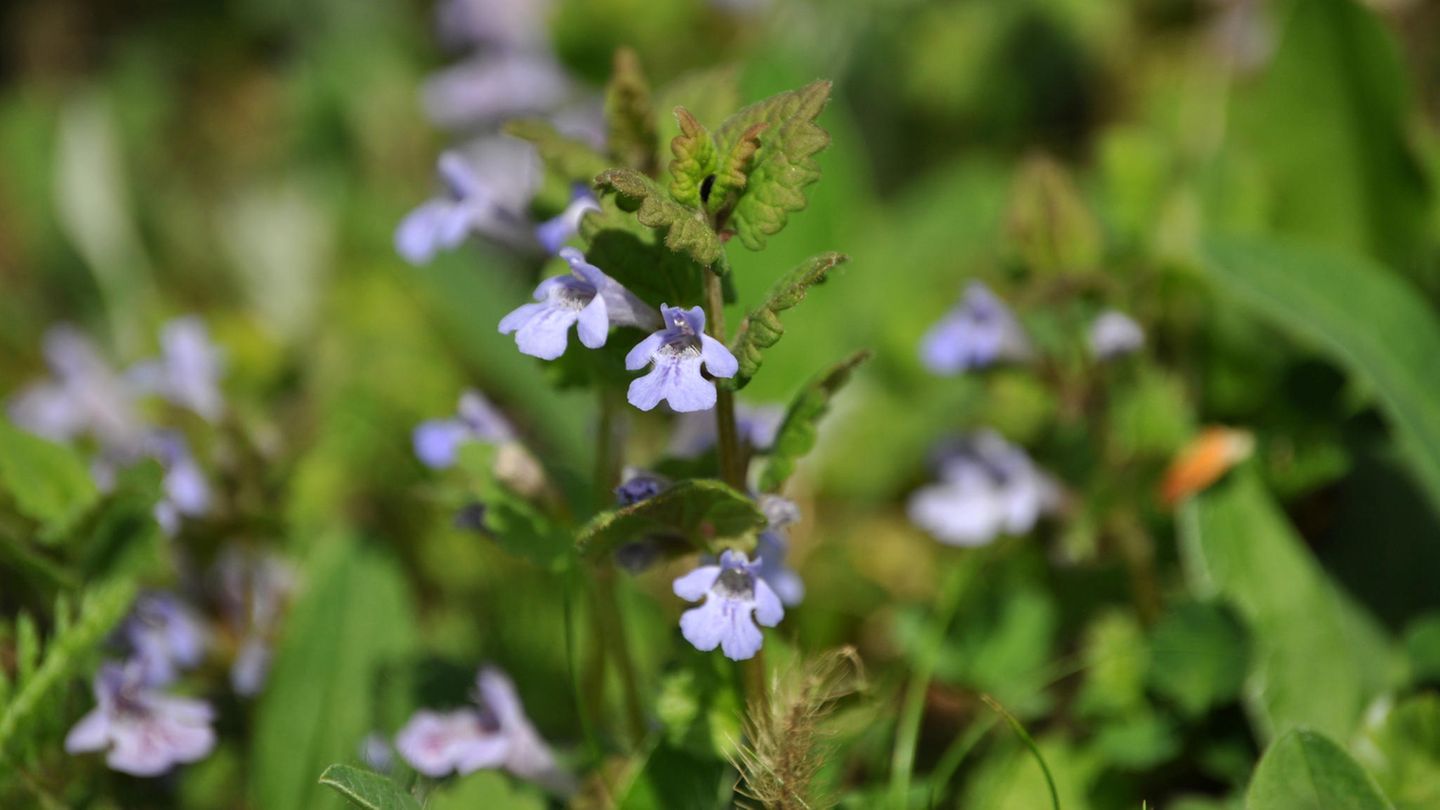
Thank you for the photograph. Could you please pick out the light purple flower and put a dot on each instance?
(145, 732)
(186, 493)
(505, 24)
(978, 332)
(639, 485)
(987, 487)
(736, 597)
(756, 425)
(376, 752)
(85, 396)
(188, 371)
(587, 299)
(437, 441)
(1114, 334)
(494, 733)
(164, 637)
(442, 223)
(493, 87)
(677, 351)
(773, 545)
(253, 588)
(554, 233)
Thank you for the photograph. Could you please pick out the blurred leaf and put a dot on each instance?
(1422, 646)
(630, 116)
(1359, 314)
(353, 618)
(1304, 770)
(686, 230)
(1150, 416)
(710, 94)
(367, 789)
(1400, 747)
(1048, 221)
(699, 708)
(1011, 779)
(1199, 656)
(762, 328)
(1116, 657)
(785, 162)
(1138, 741)
(519, 526)
(694, 160)
(485, 790)
(1238, 545)
(797, 433)
(673, 778)
(573, 160)
(700, 511)
(49, 481)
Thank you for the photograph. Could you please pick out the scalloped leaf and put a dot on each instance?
(685, 228)
(694, 160)
(733, 168)
(630, 116)
(700, 511)
(367, 789)
(783, 165)
(796, 435)
(636, 256)
(573, 160)
(762, 329)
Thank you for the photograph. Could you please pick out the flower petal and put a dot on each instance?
(416, 239)
(640, 356)
(768, 609)
(706, 625)
(718, 359)
(437, 441)
(594, 323)
(92, 733)
(693, 586)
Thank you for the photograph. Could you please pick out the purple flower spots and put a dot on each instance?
(980, 331)
(164, 638)
(186, 493)
(188, 371)
(587, 299)
(1114, 334)
(476, 200)
(554, 233)
(639, 485)
(144, 732)
(987, 487)
(84, 396)
(677, 351)
(437, 441)
(735, 599)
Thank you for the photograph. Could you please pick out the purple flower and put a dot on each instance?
(493, 87)
(376, 752)
(164, 637)
(554, 233)
(507, 24)
(145, 732)
(677, 352)
(186, 493)
(987, 487)
(772, 546)
(639, 485)
(437, 441)
(978, 332)
(253, 588)
(494, 733)
(587, 299)
(736, 597)
(1113, 334)
(188, 371)
(695, 433)
(442, 223)
(85, 396)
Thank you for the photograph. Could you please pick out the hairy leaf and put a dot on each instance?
(1304, 770)
(783, 165)
(630, 116)
(48, 481)
(699, 511)
(685, 228)
(636, 256)
(762, 329)
(573, 160)
(694, 160)
(367, 789)
(796, 436)
(733, 168)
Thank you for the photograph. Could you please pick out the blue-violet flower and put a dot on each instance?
(677, 351)
(587, 299)
(145, 732)
(1113, 334)
(437, 441)
(736, 597)
(980, 331)
(555, 232)
(987, 487)
(164, 637)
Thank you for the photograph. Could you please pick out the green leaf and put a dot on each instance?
(1237, 544)
(1400, 747)
(353, 620)
(487, 790)
(796, 435)
(762, 329)
(732, 169)
(1361, 315)
(710, 94)
(630, 116)
(685, 229)
(1304, 770)
(1048, 222)
(700, 511)
(573, 160)
(694, 160)
(636, 256)
(366, 789)
(48, 481)
(783, 165)
(1199, 654)
(698, 707)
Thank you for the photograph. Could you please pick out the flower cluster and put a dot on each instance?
(987, 487)
(143, 731)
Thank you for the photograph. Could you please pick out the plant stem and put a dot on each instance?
(1029, 741)
(907, 732)
(732, 469)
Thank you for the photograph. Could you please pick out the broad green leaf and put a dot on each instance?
(685, 229)
(486, 790)
(48, 481)
(1361, 315)
(762, 329)
(1400, 747)
(699, 511)
(1236, 544)
(1422, 647)
(636, 256)
(732, 169)
(1304, 770)
(1116, 657)
(630, 116)
(1199, 655)
(797, 432)
(367, 789)
(571, 159)
(783, 165)
(353, 619)
(694, 160)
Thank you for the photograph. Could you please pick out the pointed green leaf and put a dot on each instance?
(1359, 313)
(630, 116)
(785, 162)
(367, 789)
(797, 432)
(694, 160)
(762, 329)
(1304, 770)
(573, 160)
(48, 481)
(699, 511)
(732, 169)
(685, 229)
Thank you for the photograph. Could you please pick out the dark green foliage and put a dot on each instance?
(796, 436)
(637, 257)
(48, 481)
(366, 789)
(1199, 655)
(1305, 770)
(762, 329)
(685, 229)
(702, 512)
